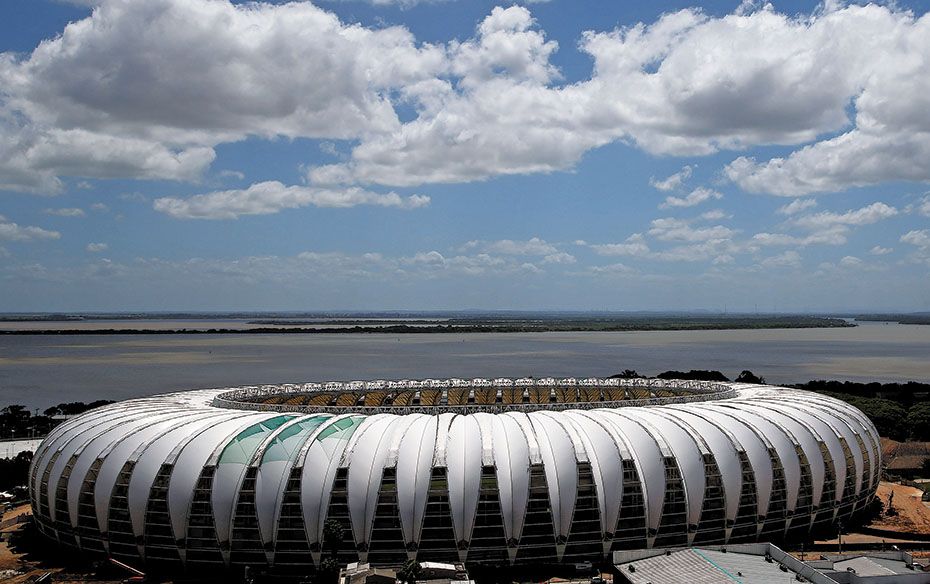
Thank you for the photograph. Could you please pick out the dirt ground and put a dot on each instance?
(913, 515)
(17, 567)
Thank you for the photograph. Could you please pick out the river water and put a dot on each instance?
(39, 371)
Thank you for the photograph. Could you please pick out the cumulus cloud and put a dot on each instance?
(561, 257)
(796, 206)
(635, 245)
(145, 90)
(270, 197)
(825, 228)
(695, 197)
(850, 262)
(532, 246)
(918, 238)
(787, 259)
(715, 215)
(923, 206)
(686, 243)
(833, 236)
(11, 231)
(149, 89)
(685, 84)
(880, 251)
(97, 247)
(611, 270)
(65, 212)
(890, 91)
(672, 182)
(865, 216)
(671, 229)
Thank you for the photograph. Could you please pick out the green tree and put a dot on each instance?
(410, 572)
(749, 377)
(918, 421)
(333, 537)
(888, 416)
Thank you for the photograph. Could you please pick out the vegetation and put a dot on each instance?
(14, 473)
(900, 411)
(509, 323)
(18, 422)
(911, 318)
(409, 573)
(333, 537)
(748, 377)
(694, 374)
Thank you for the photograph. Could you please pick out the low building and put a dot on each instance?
(430, 573)
(359, 573)
(871, 567)
(905, 459)
(763, 563)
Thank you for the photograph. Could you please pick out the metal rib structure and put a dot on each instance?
(481, 471)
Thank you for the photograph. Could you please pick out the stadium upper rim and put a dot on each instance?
(466, 396)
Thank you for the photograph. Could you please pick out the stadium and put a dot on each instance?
(485, 472)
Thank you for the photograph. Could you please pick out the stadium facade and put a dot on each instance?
(480, 471)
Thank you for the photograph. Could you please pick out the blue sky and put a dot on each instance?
(202, 155)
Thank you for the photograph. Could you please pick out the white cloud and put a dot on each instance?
(796, 206)
(635, 245)
(65, 212)
(715, 215)
(865, 216)
(671, 229)
(611, 270)
(11, 231)
(97, 247)
(235, 174)
(270, 197)
(889, 86)
(850, 262)
(715, 244)
(879, 250)
(532, 246)
(832, 236)
(787, 259)
(145, 90)
(695, 197)
(149, 89)
(672, 182)
(685, 84)
(559, 258)
(923, 206)
(918, 238)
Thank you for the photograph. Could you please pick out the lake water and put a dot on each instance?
(39, 371)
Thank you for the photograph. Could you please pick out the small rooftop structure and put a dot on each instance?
(430, 573)
(763, 563)
(866, 567)
(363, 573)
(905, 459)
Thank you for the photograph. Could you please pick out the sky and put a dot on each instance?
(463, 154)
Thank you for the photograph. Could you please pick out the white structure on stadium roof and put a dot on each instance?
(480, 471)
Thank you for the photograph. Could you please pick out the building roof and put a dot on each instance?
(761, 563)
(871, 564)
(707, 566)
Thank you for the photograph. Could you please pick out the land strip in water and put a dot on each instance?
(407, 324)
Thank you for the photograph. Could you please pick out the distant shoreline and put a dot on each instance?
(600, 326)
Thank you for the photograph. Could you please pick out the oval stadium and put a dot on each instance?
(485, 472)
